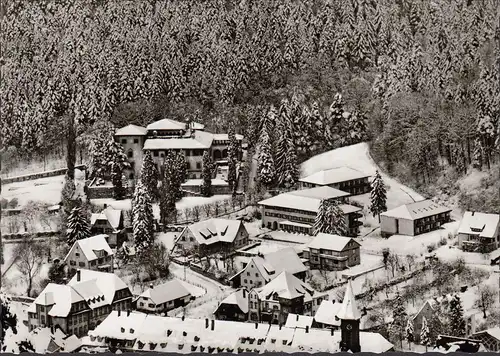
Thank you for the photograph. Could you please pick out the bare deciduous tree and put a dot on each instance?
(485, 298)
(29, 257)
(207, 208)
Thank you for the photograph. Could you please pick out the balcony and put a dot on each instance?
(479, 246)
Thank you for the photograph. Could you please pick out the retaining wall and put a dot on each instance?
(56, 172)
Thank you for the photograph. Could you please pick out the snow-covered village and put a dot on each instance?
(250, 177)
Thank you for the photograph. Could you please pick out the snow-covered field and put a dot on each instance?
(186, 202)
(45, 190)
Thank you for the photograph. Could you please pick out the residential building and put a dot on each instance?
(83, 303)
(163, 297)
(344, 178)
(434, 310)
(92, 253)
(261, 270)
(51, 340)
(479, 232)
(213, 236)
(190, 139)
(234, 307)
(414, 218)
(296, 211)
(287, 294)
(109, 222)
(326, 315)
(299, 321)
(332, 252)
(490, 338)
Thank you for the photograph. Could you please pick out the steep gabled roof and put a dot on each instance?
(330, 242)
(110, 214)
(486, 223)
(166, 292)
(286, 286)
(215, 230)
(238, 298)
(131, 130)
(334, 175)
(327, 313)
(285, 259)
(108, 283)
(299, 321)
(90, 245)
(417, 210)
(349, 309)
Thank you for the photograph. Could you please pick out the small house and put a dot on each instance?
(479, 232)
(234, 307)
(92, 253)
(109, 222)
(163, 297)
(332, 252)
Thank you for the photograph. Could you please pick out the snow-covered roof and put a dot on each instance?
(327, 313)
(199, 182)
(215, 230)
(167, 124)
(285, 259)
(299, 321)
(238, 298)
(131, 130)
(110, 214)
(90, 245)
(166, 292)
(330, 242)
(349, 308)
(334, 175)
(482, 224)
(108, 283)
(199, 140)
(348, 209)
(305, 199)
(417, 210)
(293, 223)
(225, 137)
(286, 286)
(168, 334)
(41, 339)
(59, 296)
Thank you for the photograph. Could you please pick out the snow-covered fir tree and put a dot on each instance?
(179, 174)
(9, 323)
(286, 156)
(118, 162)
(456, 317)
(266, 168)
(232, 158)
(477, 154)
(409, 332)
(424, 334)
(142, 218)
(149, 175)
(78, 226)
(399, 316)
(322, 222)
(378, 196)
(338, 220)
(206, 185)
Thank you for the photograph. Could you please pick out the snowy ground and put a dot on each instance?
(46, 190)
(186, 202)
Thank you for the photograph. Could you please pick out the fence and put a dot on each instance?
(56, 172)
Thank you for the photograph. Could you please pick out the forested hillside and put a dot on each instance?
(420, 78)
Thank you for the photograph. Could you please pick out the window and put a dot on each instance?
(130, 154)
(124, 141)
(136, 140)
(42, 308)
(151, 305)
(155, 153)
(245, 281)
(248, 273)
(198, 165)
(77, 254)
(81, 264)
(256, 274)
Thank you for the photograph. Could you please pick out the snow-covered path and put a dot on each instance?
(204, 306)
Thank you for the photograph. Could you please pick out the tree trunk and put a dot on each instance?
(71, 146)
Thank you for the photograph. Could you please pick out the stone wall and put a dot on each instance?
(56, 172)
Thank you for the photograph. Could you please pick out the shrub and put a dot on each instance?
(4, 203)
(431, 247)
(13, 203)
(443, 241)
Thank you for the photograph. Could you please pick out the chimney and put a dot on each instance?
(256, 325)
(105, 206)
(213, 324)
(244, 293)
(206, 323)
(128, 312)
(183, 318)
(119, 312)
(333, 301)
(280, 326)
(151, 286)
(78, 275)
(307, 329)
(297, 317)
(473, 213)
(331, 331)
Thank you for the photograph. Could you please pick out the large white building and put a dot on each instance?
(191, 139)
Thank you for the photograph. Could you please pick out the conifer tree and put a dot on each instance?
(142, 219)
(321, 222)
(149, 175)
(179, 174)
(206, 186)
(78, 226)
(232, 158)
(399, 319)
(424, 334)
(56, 273)
(338, 220)
(118, 162)
(409, 332)
(9, 321)
(266, 168)
(456, 317)
(378, 197)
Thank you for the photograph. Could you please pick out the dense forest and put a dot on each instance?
(421, 78)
